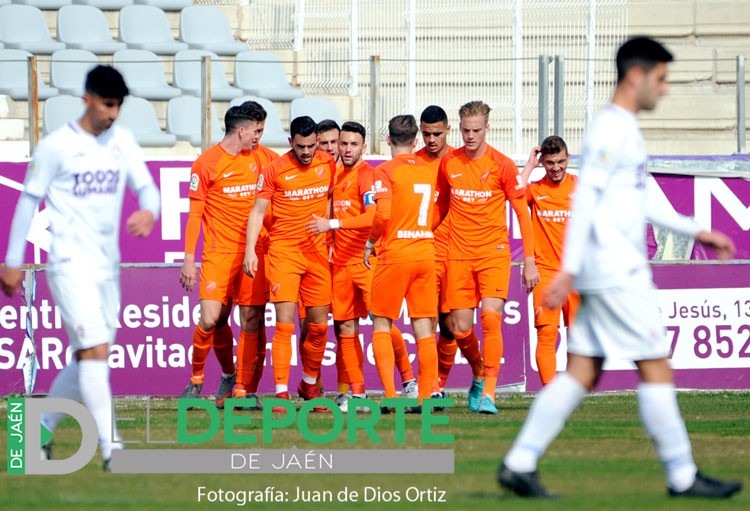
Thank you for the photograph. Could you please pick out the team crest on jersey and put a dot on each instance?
(345, 185)
(194, 180)
(485, 175)
(253, 168)
(259, 186)
(275, 289)
(116, 151)
(320, 171)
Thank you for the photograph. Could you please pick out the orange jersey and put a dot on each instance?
(227, 184)
(352, 193)
(410, 185)
(443, 230)
(477, 191)
(297, 192)
(550, 209)
(262, 156)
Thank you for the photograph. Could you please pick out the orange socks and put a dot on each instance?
(385, 361)
(401, 354)
(315, 347)
(351, 363)
(446, 352)
(247, 358)
(224, 348)
(281, 353)
(545, 352)
(341, 377)
(469, 345)
(427, 369)
(493, 350)
(202, 341)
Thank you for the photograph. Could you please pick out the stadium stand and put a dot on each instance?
(14, 76)
(43, 4)
(23, 27)
(146, 27)
(166, 5)
(261, 73)
(59, 110)
(274, 134)
(85, 27)
(105, 5)
(317, 108)
(184, 121)
(139, 116)
(187, 75)
(68, 70)
(144, 74)
(207, 28)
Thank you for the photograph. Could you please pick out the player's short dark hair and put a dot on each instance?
(327, 125)
(303, 125)
(403, 130)
(433, 114)
(640, 51)
(354, 127)
(106, 82)
(554, 145)
(255, 111)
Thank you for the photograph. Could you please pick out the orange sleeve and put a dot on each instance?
(360, 221)
(524, 222)
(382, 216)
(193, 227)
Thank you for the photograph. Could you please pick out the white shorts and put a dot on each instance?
(89, 304)
(619, 324)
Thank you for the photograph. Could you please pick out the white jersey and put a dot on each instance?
(82, 179)
(605, 244)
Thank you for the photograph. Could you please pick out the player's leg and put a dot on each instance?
(546, 419)
(421, 299)
(446, 342)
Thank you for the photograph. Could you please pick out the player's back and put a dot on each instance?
(410, 185)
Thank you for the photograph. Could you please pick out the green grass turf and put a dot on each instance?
(601, 461)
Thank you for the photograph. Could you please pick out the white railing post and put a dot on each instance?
(590, 101)
(299, 25)
(411, 55)
(353, 48)
(517, 77)
(375, 104)
(205, 102)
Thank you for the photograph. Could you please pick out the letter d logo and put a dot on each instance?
(89, 436)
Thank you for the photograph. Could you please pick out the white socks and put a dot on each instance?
(64, 385)
(96, 395)
(547, 415)
(657, 404)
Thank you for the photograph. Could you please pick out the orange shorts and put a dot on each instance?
(413, 280)
(222, 277)
(546, 316)
(295, 276)
(470, 280)
(351, 291)
(441, 276)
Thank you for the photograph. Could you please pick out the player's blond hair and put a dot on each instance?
(474, 108)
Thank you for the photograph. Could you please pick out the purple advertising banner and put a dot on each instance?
(716, 203)
(706, 308)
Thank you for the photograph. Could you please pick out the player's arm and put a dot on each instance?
(658, 212)
(192, 233)
(535, 158)
(442, 200)
(530, 273)
(379, 223)
(19, 228)
(254, 225)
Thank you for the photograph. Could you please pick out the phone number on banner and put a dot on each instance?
(707, 328)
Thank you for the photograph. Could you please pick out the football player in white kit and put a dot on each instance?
(605, 259)
(80, 171)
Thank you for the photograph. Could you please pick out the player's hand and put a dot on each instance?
(718, 242)
(11, 279)
(530, 274)
(250, 264)
(318, 225)
(140, 223)
(187, 272)
(369, 252)
(558, 290)
(535, 158)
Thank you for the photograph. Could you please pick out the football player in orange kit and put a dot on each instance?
(474, 184)
(550, 200)
(405, 268)
(222, 191)
(297, 186)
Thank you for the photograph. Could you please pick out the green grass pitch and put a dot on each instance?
(602, 461)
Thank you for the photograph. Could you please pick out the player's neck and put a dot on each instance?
(87, 126)
(231, 145)
(476, 153)
(400, 150)
(625, 99)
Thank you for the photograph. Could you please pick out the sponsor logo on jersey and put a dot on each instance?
(306, 193)
(287, 178)
(259, 186)
(194, 180)
(471, 194)
(96, 181)
(228, 174)
(406, 234)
